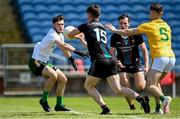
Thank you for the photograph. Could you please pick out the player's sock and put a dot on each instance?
(144, 103)
(132, 107)
(162, 98)
(104, 106)
(105, 109)
(139, 98)
(59, 101)
(158, 107)
(45, 96)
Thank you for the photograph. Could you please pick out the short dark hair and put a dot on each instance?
(123, 16)
(94, 10)
(57, 18)
(157, 7)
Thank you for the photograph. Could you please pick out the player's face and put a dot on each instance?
(89, 17)
(59, 26)
(124, 23)
(151, 14)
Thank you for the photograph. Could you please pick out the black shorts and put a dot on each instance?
(36, 67)
(132, 68)
(103, 68)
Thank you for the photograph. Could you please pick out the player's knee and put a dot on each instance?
(61, 77)
(150, 87)
(140, 87)
(54, 76)
(118, 91)
(125, 85)
(87, 86)
(62, 80)
(65, 80)
(148, 82)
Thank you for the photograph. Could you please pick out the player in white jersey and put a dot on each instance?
(40, 66)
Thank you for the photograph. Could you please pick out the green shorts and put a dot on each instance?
(36, 67)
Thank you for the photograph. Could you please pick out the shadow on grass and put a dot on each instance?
(124, 113)
(25, 114)
(35, 114)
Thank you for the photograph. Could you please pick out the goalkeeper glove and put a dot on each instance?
(71, 59)
(82, 54)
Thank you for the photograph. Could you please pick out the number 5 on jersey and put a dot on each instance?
(163, 33)
(101, 35)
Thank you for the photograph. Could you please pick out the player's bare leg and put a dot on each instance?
(62, 80)
(125, 82)
(157, 100)
(52, 77)
(61, 85)
(140, 82)
(113, 81)
(89, 85)
(152, 80)
(158, 103)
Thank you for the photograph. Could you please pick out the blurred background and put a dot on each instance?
(25, 22)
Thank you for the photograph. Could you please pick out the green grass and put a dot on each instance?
(28, 107)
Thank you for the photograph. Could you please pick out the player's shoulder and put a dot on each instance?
(85, 23)
(137, 36)
(115, 35)
(52, 35)
(150, 23)
(166, 24)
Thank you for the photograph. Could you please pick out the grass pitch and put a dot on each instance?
(84, 108)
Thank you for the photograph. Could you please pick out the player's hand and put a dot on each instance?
(79, 36)
(71, 59)
(120, 64)
(146, 69)
(110, 27)
(81, 53)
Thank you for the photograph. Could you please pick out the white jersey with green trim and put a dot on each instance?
(43, 49)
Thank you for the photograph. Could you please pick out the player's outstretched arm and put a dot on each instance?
(70, 48)
(125, 32)
(65, 46)
(82, 39)
(73, 33)
(77, 34)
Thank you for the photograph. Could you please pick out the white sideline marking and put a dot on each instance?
(75, 112)
(136, 117)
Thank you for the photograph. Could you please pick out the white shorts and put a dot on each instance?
(163, 64)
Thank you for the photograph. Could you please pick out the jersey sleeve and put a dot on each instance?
(112, 41)
(144, 28)
(139, 39)
(82, 27)
(53, 37)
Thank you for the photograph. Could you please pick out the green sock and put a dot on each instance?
(158, 107)
(59, 100)
(162, 98)
(45, 96)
